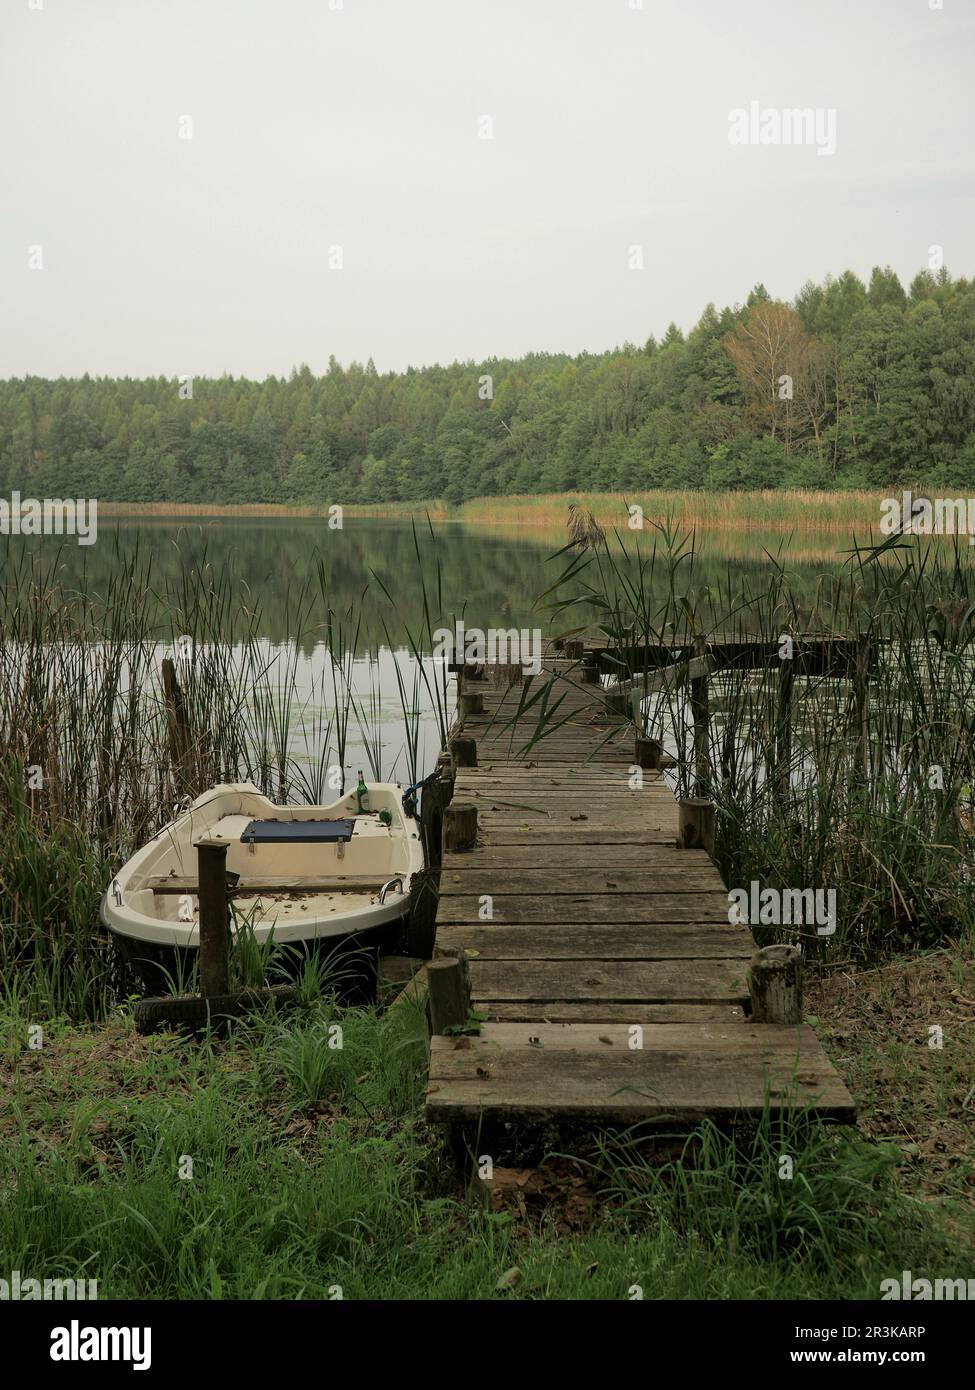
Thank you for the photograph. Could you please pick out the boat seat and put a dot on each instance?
(273, 883)
(295, 832)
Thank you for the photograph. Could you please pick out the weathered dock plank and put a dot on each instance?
(686, 1075)
(634, 941)
(623, 981)
(587, 908)
(614, 882)
(528, 852)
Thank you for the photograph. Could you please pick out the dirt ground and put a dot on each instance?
(902, 1036)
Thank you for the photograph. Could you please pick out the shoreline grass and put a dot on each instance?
(771, 510)
(313, 1176)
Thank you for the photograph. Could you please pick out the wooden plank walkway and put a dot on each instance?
(613, 985)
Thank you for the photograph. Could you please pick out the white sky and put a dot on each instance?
(358, 127)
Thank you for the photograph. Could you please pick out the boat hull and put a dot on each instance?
(322, 880)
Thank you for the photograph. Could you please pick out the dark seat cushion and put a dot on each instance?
(269, 832)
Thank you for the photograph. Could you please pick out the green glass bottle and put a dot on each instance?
(362, 796)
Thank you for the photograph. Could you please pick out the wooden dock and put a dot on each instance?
(600, 955)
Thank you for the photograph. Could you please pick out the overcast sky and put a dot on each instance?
(361, 127)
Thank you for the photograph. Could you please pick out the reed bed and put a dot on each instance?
(780, 511)
(89, 769)
(437, 509)
(788, 510)
(863, 784)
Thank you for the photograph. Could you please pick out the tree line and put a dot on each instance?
(850, 385)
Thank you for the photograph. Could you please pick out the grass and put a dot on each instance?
(313, 1172)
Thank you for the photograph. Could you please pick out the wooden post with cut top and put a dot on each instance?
(211, 858)
(180, 737)
(699, 710)
(463, 750)
(775, 985)
(695, 824)
(459, 826)
(448, 994)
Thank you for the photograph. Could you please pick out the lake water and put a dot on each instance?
(383, 582)
(495, 575)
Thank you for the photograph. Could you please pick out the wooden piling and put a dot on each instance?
(446, 778)
(459, 826)
(699, 711)
(434, 799)
(590, 670)
(783, 733)
(648, 753)
(421, 925)
(471, 702)
(775, 984)
(448, 994)
(862, 700)
(214, 916)
(463, 751)
(695, 824)
(180, 735)
(618, 702)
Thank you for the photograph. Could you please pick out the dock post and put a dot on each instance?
(459, 672)
(211, 857)
(862, 700)
(775, 984)
(460, 826)
(699, 710)
(463, 751)
(470, 702)
(574, 649)
(618, 702)
(445, 768)
(590, 669)
(448, 994)
(435, 798)
(180, 737)
(648, 753)
(695, 824)
(783, 738)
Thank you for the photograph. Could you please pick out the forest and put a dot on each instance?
(850, 385)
